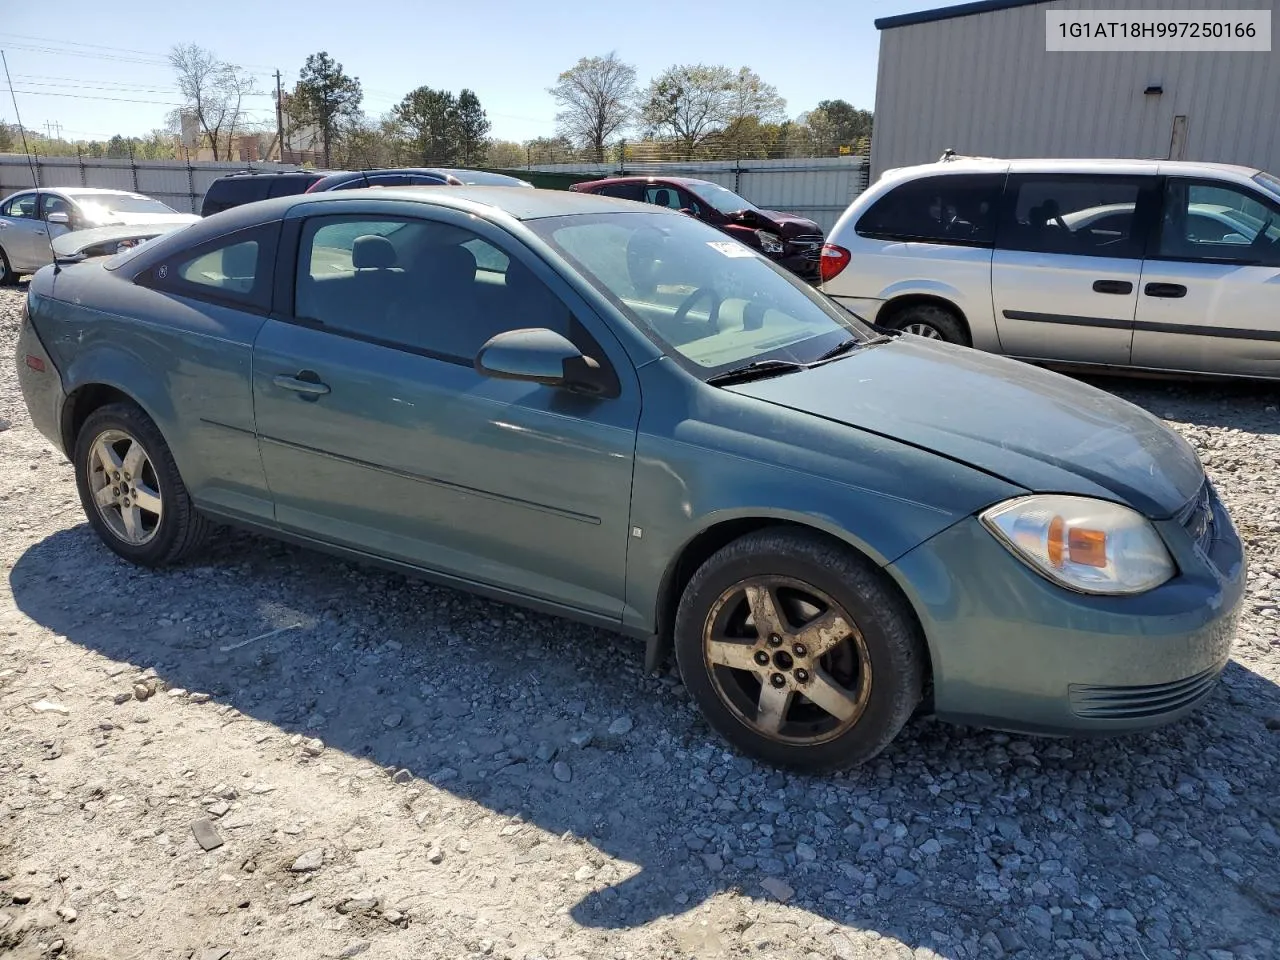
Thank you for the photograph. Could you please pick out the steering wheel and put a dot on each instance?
(702, 293)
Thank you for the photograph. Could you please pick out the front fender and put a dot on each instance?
(880, 497)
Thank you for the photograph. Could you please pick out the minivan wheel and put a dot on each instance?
(131, 490)
(7, 277)
(798, 652)
(930, 321)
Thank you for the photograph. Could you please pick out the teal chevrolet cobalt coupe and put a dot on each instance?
(618, 414)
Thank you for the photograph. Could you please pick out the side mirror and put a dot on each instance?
(59, 216)
(541, 356)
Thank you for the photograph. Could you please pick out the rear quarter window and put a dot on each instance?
(955, 209)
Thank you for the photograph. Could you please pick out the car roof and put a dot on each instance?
(483, 201)
(1186, 168)
(682, 181)
(83, 191)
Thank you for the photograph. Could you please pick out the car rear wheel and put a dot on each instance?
(131, 490)
(7, 277)
(798, 651)
(931, 321)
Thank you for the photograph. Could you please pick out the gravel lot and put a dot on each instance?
(382, 766)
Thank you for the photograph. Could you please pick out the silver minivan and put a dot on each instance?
(1146, 264)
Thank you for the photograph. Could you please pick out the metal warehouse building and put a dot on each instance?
(976, 78)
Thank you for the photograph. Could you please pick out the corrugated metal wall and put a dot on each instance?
(984, 84)
(178, 184)
(818, 188)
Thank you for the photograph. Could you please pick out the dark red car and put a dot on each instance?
(791, 241)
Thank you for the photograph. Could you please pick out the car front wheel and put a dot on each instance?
(131, 490)
(798, 652)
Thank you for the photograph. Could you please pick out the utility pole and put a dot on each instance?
(279, 119)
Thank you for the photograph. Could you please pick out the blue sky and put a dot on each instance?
(509, 53)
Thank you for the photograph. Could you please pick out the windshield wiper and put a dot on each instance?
(756, 370)
(846, 346)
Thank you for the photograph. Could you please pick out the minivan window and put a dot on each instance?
(1093, 216)
(948, 208)
(1207, 221)
(1270, 183)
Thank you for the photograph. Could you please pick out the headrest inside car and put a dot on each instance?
(372, 252)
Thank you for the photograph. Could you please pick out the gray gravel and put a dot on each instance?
(410, 772)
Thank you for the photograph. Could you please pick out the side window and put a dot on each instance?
(689, 202)
(235, 269)
(1207, 221)
(662, 196)
(22, 207)
(949, 208)
(287, 186)
(623, 191)
(422, 285)
(51, 203)
(1083, 215)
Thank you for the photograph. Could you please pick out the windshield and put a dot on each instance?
(722, 198)
(710, 302)
(1269, 182)
(101, 206)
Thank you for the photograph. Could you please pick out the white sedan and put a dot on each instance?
(30, 219)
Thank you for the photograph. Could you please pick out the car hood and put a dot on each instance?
(788, 225)
(1039, 430)
(79, 243)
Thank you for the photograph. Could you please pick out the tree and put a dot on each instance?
(326, 97)
(548, 150)
(213, 93)
(692, 102)
(837, 122)
(471, 128)
(369, 144)
(506, 154)
(8, 138)
(428, 120)
(596, 96)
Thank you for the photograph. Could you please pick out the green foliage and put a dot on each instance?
(439, 128)
(328, 98)
(472, 128)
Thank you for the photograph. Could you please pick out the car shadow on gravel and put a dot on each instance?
(969, 843)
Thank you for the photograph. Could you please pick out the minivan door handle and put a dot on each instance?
(1169, 291)
(1122, 287)
(307, 383)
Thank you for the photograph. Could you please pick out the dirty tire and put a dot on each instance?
(890, 637)
(7, 277)
(932, 321)
(181, 529)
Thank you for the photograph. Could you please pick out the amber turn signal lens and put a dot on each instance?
(1088, 547)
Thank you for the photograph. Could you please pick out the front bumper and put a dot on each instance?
(801, 264)
(1012, 651)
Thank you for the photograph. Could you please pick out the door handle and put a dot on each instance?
(307, 383)
(1122, 287)
(1169, 291)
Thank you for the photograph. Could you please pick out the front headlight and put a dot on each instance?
(1087, 545)
(769, 242)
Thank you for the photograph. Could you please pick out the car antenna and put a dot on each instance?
(35, 177)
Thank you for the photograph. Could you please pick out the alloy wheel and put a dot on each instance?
(925, 330)
(125, 490)
(787, 660)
